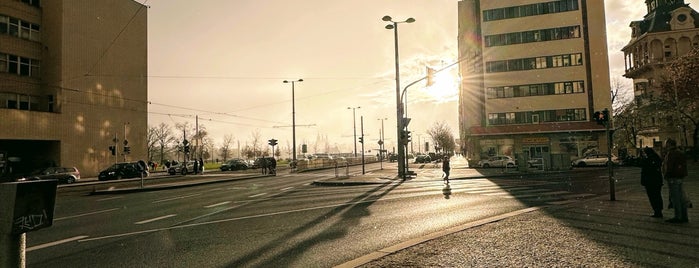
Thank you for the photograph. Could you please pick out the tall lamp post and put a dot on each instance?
(399, 106)
(354, 125)
(382, 141)
(293, 120)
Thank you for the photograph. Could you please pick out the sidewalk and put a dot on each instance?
(593, 232)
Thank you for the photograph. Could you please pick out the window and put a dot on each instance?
(18, 28)
(530, 10)
(36, 3)
(18, 65)
(4, 24)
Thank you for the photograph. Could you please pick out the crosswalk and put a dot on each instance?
(539, 192)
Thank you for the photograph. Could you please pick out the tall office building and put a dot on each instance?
(533, 74)
(669, 30)
(73, 82)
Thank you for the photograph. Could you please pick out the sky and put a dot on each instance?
(224, 61)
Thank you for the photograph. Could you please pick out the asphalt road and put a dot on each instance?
(276, 221)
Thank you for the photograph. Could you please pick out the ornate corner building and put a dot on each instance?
(73, 82)
(533, 74)
(669, 30)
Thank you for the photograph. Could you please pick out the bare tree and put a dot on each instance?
(256, 137)
(225, 149)
(442, 135)
(159, 138)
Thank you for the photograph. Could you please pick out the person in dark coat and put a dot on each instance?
(652, 179)
(675, 170)
(446, 168)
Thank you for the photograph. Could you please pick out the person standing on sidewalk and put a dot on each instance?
(674, 171)
(446, 168)
(652, 179)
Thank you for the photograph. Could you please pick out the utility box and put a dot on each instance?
(26, 206)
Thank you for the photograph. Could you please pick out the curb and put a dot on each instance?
(167, 187)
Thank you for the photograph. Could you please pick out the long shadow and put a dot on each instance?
(351, 213)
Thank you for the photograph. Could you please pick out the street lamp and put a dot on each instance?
(354, 125)
(381, 142)
(399, 106)
(293, 120)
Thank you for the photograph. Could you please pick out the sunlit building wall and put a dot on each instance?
(533, 74)
(73, 76)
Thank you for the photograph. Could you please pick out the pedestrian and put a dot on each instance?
(652, 179)
(674, 170)
(446, 168)
(263, 165)
(196, 166)
(273, 166)
(201, 166)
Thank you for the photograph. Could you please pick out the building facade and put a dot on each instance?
(73, 82)
(669, 30)
(533, 74)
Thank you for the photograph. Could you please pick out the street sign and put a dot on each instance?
(405, 122)
(380, 142)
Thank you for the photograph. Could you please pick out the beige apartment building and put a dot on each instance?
(533, 74)
(669, 30)
(73, 82)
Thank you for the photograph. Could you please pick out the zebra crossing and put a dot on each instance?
(543, 192)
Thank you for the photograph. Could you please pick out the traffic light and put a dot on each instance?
(127, 149)
(272, 142)
(430, 76)
(113, 149)
(599, 118)
(408, 137)
(605, 115)
(186, 149)
(361, 139)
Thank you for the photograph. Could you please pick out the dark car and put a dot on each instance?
(423, 158)
(259, 162)
(234, 164)
(123, 171)
(61, 174)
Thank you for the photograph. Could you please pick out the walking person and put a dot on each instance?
(446, 168)
(195, 169)
(652, 179)
(273, 166)
(674, 170)
(201, 166)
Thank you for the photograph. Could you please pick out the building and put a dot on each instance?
(533, 74)
(73, 82)
(670, 29)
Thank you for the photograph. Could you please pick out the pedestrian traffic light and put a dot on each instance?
(113, 149)
(127, 149)
(599, 118)
(361, 139)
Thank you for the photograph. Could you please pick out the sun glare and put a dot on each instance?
(444, 89)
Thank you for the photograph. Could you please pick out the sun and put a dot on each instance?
(445, 87)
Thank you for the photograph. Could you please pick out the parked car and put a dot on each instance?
(497, 161)
(392, 157)
(61, 174)
(234, 164)
(423, 158)
(594, 160)
(182, 168)
(124, 170)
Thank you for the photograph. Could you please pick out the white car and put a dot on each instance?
(594, 160)
(497, 161)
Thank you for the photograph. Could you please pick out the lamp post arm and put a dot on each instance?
(402, 95)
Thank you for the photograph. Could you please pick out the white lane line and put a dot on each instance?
(156, 219)
(56, 243)
(287, 188)
(175, 198)
(109, 198)
(217, 204)
(257, 195)
(85, 214)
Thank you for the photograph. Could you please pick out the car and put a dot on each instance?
(594, 160)
(392, 157)
(258, 162)
(423, 158)
(234, 164)
(61, 174)
(124, 170)
(182, 168)
(498, 161)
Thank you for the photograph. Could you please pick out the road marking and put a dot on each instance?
(257, 195)
(156, 219)
(174, 198)
(109, 198)
(287, 188)
(218, 204)
(85, 214)
(56, 243)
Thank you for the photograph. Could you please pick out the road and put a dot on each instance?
(278, 221)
